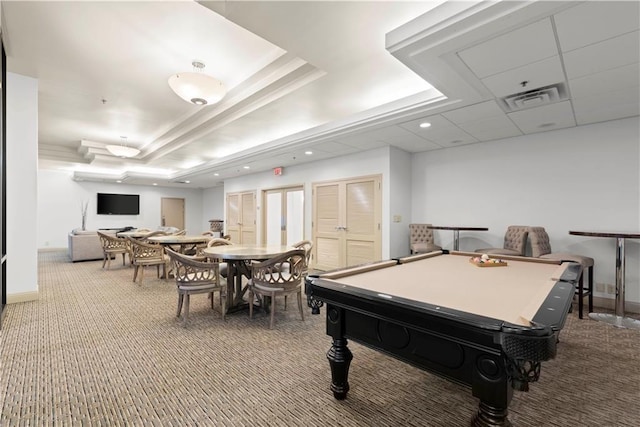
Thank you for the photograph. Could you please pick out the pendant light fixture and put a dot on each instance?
(123, 150)
(197, 87)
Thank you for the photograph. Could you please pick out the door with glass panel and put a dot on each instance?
(283, 216)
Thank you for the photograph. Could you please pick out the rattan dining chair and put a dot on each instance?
(280, 275)
(196, 277)
(147, 254)
(112, 246)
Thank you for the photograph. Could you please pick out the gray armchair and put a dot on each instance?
(541, 248)
(515, 242)
(421, 239)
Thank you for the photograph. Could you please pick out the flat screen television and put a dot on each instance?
(118, 204)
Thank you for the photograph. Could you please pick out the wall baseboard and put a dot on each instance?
(22, 297)
(610, 304)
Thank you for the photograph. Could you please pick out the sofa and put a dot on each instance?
(85, 245)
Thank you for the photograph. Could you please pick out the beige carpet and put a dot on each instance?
(99, 350)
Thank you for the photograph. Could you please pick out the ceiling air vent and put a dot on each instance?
(535, 97)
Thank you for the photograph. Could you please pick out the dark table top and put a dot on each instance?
(455, 227)
(616, 234)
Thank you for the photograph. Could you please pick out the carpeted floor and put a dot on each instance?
(99, 350)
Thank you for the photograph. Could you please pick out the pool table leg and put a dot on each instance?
(339, 357)
(489, 415)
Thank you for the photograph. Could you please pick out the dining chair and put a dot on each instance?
(217, 241)
(541, 248)
(147, 254)
(196, 277)
(421, 239)
(154, 233)
(112, 246)
(515, 242)
(271, 278)
(307, 246)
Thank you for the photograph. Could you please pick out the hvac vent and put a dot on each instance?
(535, 97)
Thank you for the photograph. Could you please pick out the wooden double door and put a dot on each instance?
(346, 224)
(241, 217)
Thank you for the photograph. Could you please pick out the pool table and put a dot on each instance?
(487, 328)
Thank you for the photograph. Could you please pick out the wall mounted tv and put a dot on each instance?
(118, 204)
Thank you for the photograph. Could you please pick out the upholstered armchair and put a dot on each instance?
(421, 239)
(515, 242)
(541, 248)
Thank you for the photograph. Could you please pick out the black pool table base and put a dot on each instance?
(340, 357)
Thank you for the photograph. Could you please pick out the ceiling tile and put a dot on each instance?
(496, 127)
(449, 136)
(606, 81)
(474, 112)
(544, 118)
(607, 106)
(331, 147)
(611, 53)
(437, 122)
(598, 17)
(537, 75)
(417, 146)
(511, 50)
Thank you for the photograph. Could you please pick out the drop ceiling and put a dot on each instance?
(331, 78)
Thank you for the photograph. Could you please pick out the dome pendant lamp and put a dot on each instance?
(196, 87)
(123, 150)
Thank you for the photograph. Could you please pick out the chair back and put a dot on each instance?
(154, 233)
(145, 252)
(539, 239)
(282, 272)
(180, 233)
(515, 238)
(420, 233)
(188, 270)
(113, 243)
(218, 241)
(307, 246)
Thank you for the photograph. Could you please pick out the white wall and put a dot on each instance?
(583, 178)
(213, 204)
(372, 162)
(22, 167)
(60, 199)
(399, 202)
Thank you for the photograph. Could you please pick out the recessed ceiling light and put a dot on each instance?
(425, 125)
(308, 153)
(216, 174)
(187, 182)
(547, 125)
(247, 167)
(155, 183)
(118, 181)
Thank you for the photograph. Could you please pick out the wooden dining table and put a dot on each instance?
(238, 259)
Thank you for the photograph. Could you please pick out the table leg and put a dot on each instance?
(456, 240)
(618, 320)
